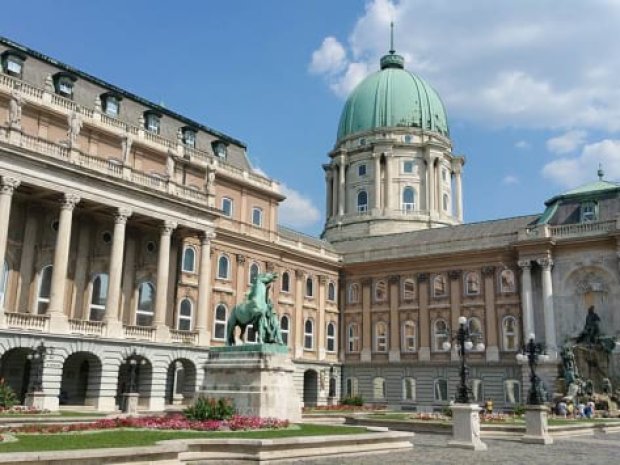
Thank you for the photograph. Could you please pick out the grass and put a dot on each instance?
(390, 416)
(137, 438)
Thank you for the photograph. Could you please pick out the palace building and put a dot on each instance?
(128, 232)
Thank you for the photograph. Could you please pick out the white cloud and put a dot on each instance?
(567, 142)
(510, 180)
(571, 172)
(297, 211)
(527, 64)
(523, 145)
(330, 58)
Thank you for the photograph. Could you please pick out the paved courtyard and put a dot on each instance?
(432, 450)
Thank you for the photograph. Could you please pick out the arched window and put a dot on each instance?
(472, 283)
(189, 260)
(309, 334)
(378, 388)
(354, 293)
(475, 330)
(286, 282)
(227, 206)
(331, 292)
(440, 335)
(380, 291)
(439, 286)
(257, 216)
(223, 267)
(446, 202)
(331, 337)
(408, 204)
(99, 297)
(352, 387)
(4, 278)
(512, 391)
(362, 201)
(408, 290)
(440, 390)
(476, 390)
(219, 322)
(409, 389)
(250, 334)
(353, 338)
(285, 324)
(409, 337)
(45, 289)
(146, 301)
(309, 287)
(510, 333)
(254, 270)
(507, 281)
(184, 318)
(381, 337)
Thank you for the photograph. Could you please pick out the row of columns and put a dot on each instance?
(57, 304)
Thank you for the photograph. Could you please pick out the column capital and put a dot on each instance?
(455, 274)
(394, 279)
(322, 279)
(422, 277)
(488, 270)
(8, 185)
(240, 258)
(525, 264)
(122, 215)
(270, 267)
(69, 201)
(546, 263)
(299, 274)
(167, 227)
(206, 237)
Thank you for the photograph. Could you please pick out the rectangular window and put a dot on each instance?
(152, 123)
(257, 217)
(588, 212)
(441, 390)
(189, 138)
(65, 87)
(14, 66)
(408, 167)
(111, 107)
(227, 206)
(361, 170)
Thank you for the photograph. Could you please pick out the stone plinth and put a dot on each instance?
(41, 400)
(536, 429)
(130, 403)
(466, 427)
(258, 378)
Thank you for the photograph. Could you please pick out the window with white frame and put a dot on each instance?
(111, 105)
(507, 281)
(189, 137)
(409, 393)
(362, 201)
(331, 292)
(352, 389)
(589, 212)
(13, 63)
(4, 277)
(354, 293)
(309, 334)
(331, 337)
(476, 390)
(440, 288)
(378, 388)
(64, 84)
(380, 291)
(440, 335)
(146, 304)
(254, 270)
(151, 122)
(408, 167)
(309, 287)
(45, 289)
(472, 283)
(381, 337)
(409, 336)
(475, 330)
(512, 391)
(353, 338)
(189, 259)
(510, 333)
(99, 297)
(285, 324)
(219, 322)
(440, 390)
(361, 170)
(227, 206)
(220, 149)
(408, 290)
(223, 267)
(286, 282)
(184, 318)
(257, 216)
(408, 204)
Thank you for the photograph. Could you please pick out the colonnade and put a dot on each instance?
(546, 265)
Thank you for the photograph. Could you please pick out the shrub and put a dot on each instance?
(357, 401)
(7, 396)
(519, 410)
(210, 409)
(447, 411)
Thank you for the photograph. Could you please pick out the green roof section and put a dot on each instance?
(587, 191)
(393, 97)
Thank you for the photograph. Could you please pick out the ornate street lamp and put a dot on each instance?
(464, 342)
(533, 352)
(133, 362)
(37, 357)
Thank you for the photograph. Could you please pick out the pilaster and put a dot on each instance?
(492, 349)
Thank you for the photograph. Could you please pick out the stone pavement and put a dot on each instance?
(600, 449)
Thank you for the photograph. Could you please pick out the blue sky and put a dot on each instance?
(530, 87)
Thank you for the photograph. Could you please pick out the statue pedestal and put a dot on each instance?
(466, 427)
(130, 403)
(536, 430)
(258, 378)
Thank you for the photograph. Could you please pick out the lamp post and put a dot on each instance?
(465, 342)
(132, 361)
(37, 357)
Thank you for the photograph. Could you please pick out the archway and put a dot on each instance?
(15, 370)
(81, 379)
(311, 388)
(180, 382)
(142, 379)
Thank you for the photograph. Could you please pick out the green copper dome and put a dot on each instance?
(393, 97)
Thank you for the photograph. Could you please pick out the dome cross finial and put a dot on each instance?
(392, 51)
(600, 172)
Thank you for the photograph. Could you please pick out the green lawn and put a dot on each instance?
(136, 438)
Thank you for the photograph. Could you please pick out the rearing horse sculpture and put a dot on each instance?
(256, 310)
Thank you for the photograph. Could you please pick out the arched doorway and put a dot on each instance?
(180, 382)
(140, 369)
(311, 388)
(15, 370)
(81, 379)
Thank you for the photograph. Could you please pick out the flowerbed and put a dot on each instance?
(172, 422)
(430, 417)
(21, 410)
